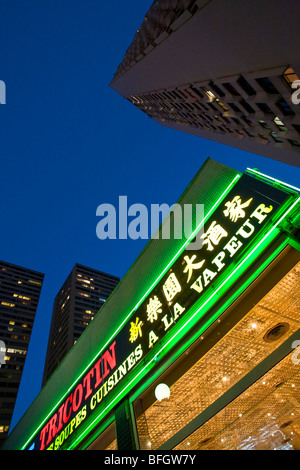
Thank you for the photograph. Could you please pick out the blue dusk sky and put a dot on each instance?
(69, 143)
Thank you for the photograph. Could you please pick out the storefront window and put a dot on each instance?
(265, 417)
(106, 440)
(197, 385)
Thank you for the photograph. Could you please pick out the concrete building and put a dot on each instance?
(20, 290)
(79, 299)
(220, 70)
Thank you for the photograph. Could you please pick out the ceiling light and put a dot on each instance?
(162, 391)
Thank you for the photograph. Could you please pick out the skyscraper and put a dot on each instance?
(79, 299)
(19, 295)
(225, 71)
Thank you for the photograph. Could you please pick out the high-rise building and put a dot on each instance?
(77, 302)
(225, 71)
(19, 295)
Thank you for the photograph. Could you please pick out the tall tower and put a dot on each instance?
(225, 71)
(80, 298)
(19, 295)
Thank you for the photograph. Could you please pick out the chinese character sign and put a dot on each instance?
(225, 237)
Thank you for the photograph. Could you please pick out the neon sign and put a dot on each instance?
(87, 394)
(227, 237)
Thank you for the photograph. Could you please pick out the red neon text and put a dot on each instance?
(83, 390)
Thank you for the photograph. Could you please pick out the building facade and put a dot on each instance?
(216, 325)
(225, 71)
(80, 298)
(20, 290)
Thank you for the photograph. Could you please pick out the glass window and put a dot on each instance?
(265, 108)
(250, 134)
(207, 371)
(297, 127)
(209, 93)
(263, 139)
(245, 85)
(221, 105)
(290, 76)
(285, 107)
(280, 124)
(295, 143)
(267, 85)
(231, 89)
(247, 106)
(235, 107)
(265, 417)
(217, 89)
(264, 124)
(195, 90)
(275, 137)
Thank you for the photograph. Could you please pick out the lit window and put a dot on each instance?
(7, 304)
(16, 351)
(221, 105)
(4, 429)
(290, 76)
(275, 137)
(209, 93)
(278, 122)
(264, 124)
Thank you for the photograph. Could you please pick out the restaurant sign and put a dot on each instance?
(235, 224)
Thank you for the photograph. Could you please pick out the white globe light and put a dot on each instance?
(162, 391)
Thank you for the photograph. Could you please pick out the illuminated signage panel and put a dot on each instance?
(226, 237)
